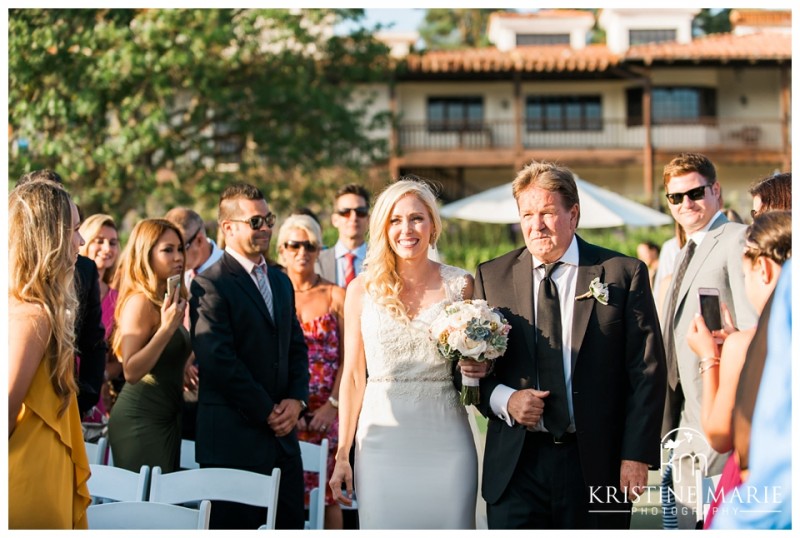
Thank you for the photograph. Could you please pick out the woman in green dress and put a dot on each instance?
(151, 342)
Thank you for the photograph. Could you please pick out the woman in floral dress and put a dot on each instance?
(319, 305)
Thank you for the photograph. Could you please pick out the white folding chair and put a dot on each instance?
(218, 484)
(147, 515)
(187, 455)
(96, 452)
(315, 460)
(109, 484)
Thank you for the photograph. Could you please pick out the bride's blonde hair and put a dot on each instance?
(381, 280)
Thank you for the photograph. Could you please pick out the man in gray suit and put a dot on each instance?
(343, 262)
(711, 258)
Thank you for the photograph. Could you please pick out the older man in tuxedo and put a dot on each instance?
(575, 405)
(253, 363)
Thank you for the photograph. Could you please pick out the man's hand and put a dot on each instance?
(527, 405)
(632, 478)
(284, 417)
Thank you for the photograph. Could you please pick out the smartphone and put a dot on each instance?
(173, 283)
(709, 308)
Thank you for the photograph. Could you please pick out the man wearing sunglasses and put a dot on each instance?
(342, 263)
(253, 363)
(711, 258)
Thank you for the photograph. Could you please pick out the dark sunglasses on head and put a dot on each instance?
(295, 245)
(191, 239)
(698, 193)
(258, 221)
(361, 211)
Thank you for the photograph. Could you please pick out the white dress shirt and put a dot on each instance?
(565, 276)
(248, 266)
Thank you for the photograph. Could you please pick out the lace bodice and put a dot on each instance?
(403, 355)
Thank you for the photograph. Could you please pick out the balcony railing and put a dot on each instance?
(708, 133)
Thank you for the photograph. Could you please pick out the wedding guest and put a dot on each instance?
(47, 464)
(342, 263)
(768, 244)
(102, 247)
(415, 458)
(771, 193)
(151, 342)
(201, 253)
(772, 448)
(319, 305)
(576, 402)
(711, 257)
(253, 363)
(648, 252)
(90, 346)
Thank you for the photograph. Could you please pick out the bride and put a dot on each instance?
(415, 459)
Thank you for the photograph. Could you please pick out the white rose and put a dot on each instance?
(466, 346)
(439, 326)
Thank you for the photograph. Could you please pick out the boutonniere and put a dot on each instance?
(598, 290)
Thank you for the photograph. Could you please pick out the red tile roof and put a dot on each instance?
(529, 58)
(597, 58)
(762, 46)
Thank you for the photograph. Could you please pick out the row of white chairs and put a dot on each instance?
(113, 485)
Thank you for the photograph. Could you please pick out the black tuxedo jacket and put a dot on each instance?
(618, 365)
(248, 363)
(90, 334)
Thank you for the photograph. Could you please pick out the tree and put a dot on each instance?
(712, 21)
(171, 105)
(455, 28)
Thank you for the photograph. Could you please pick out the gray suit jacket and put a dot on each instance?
(717, 263)
(326, 265)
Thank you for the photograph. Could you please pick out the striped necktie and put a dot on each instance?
(349, 268)
(260, 272)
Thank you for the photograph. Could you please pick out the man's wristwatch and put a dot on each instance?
(303, 407)
(334, 402)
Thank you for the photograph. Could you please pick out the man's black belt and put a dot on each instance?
(567, 437)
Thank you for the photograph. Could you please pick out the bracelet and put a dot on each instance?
(705, 368)
(334, 402)
(706, 360)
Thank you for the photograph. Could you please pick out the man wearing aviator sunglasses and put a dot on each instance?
(711, 258)
(350, 216)
(253, 362)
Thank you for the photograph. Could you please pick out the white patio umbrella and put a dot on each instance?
(600, 208)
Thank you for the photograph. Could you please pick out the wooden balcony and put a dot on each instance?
(603, 141)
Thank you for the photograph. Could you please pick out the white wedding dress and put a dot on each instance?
(415, 462)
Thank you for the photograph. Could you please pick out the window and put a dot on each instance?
(455, 113)
(638, 37)
(542, 39)
(564, 113)
(674, 105)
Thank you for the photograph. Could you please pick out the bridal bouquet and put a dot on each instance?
(472, 330)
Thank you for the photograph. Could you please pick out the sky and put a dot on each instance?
(402, 20)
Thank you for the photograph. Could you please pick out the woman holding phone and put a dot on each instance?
(151, 342)
(768, 244)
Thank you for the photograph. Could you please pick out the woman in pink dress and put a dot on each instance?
(319, 306)
(102, 247)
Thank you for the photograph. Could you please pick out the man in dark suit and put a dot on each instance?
(90, 344)
(253, 363)
(575, 404)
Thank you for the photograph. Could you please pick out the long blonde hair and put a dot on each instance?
(135, 273)
(41, 270)
(381, 280)
(90, 229)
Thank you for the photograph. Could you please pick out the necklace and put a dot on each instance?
(311, 287)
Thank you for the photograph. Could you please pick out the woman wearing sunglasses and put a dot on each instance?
(151, 342)
(319, 305)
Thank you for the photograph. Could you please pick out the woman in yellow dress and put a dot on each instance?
(47, 464)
